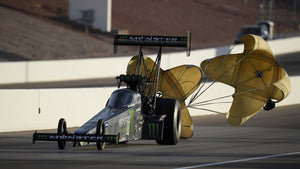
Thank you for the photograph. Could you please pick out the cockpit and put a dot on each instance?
(120, 99)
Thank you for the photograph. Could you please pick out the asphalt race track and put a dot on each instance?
(269, 140)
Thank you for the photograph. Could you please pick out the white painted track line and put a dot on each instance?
(240, 160)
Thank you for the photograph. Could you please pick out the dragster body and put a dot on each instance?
(136, 112)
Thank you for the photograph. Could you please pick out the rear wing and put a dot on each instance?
(149, 40)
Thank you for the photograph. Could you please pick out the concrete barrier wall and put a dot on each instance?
(43, 71)
(41, 109)
(19, 109)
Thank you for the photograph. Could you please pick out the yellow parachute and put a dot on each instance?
(177, 83)
(256, 76)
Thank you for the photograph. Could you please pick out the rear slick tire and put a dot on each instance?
(172, 123)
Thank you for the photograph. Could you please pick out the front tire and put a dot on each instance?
(172, 123)
(62, 129)
(100, 131)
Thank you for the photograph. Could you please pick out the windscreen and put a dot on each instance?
(120, 99)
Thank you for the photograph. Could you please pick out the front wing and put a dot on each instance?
(74, 137)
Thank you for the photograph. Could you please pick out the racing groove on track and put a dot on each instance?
(263, 142)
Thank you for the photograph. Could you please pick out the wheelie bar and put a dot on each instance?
(74, 137)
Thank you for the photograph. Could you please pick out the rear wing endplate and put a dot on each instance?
(149, 40)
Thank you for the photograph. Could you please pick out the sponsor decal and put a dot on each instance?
(106, 124)
(123, 122)
(153, 129)
(76, 137)
(42, 137)
(123, 130)
(131, 121)
(151, 38)
(73, 137)
(111, 138)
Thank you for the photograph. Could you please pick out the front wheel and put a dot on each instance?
(172, 123)
(100, 131)
(61, 129)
